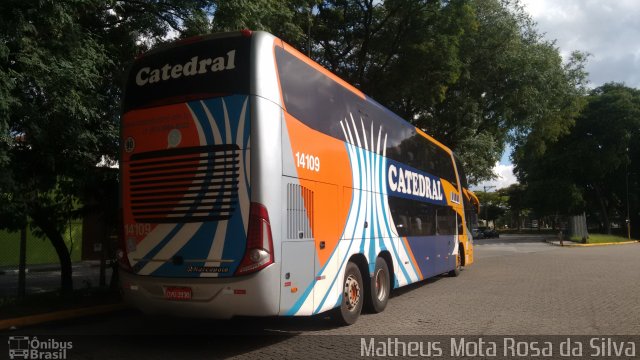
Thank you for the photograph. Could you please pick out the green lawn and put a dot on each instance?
(39, 250)
(602, 238)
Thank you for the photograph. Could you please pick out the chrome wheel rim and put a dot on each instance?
(380, 283)
(351, 292)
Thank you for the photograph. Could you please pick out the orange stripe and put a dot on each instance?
(413, 259)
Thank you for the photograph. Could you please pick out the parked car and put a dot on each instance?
(489, 233)
(477, 233)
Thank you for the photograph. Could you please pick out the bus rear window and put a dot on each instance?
(198, 70)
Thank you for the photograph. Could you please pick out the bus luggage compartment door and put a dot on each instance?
(297, 275)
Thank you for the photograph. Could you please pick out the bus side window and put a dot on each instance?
(416, 226)
(403, 227)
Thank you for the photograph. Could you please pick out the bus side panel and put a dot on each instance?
(312, 164)
(358, 223)
(433, 253)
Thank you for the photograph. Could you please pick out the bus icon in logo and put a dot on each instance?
(19, 347)
(129, 144)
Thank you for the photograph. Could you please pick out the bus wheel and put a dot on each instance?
(380, 287)
(352, 292)
(455, 272)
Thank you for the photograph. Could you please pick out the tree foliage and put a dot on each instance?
(61, 69)
(492, 205)
(473, 74)
(588, 168)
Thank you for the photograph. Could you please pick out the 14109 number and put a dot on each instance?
(307, 161)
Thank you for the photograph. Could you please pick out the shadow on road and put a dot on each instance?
(512, 239)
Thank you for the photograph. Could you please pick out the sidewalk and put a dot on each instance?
(569, 243)
(13, 269)
(30, 320)
(46, 277)
(42, 302)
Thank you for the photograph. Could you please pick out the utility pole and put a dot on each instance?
(628, 219)
(486, 209)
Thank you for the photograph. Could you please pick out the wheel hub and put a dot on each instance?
(381, 289)
(351, 292)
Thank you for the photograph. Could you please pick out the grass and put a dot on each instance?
(39, 250)
(528, 231)
(601, 238)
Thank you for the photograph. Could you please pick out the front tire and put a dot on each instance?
(380, 287)
(455, 272)
(352, 296)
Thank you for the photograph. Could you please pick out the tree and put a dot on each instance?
(61, 66)
(516, 202)
(473, 74)
(492, 205)
(588, 168)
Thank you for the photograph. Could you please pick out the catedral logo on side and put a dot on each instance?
(405, 181)
(195, 66)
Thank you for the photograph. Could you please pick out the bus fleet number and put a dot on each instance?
(137, 229)
(307, 161)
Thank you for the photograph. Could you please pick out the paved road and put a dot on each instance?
(44, 278)
(518, 285)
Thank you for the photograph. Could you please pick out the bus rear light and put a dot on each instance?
(246, 32)
(259, 250)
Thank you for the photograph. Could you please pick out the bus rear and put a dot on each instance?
(195, 241)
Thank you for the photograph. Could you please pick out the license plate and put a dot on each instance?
(177, 293)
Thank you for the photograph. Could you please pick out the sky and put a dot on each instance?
(609, 30)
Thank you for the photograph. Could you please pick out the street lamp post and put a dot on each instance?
(628, 219)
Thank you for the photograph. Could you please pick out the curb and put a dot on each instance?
(570, 243)
(59, 315)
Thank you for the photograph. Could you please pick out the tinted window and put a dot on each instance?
(198, 70)
(413, 218)
(321, 103)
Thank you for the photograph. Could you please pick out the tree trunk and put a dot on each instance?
(603, 209)
(48, 227)
(22, 267)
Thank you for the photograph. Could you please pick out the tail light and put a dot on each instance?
(259, 251)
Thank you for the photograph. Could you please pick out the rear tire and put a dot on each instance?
(380, 287)
(455, 272)
(352, 296)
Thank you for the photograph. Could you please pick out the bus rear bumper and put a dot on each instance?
(218, 298)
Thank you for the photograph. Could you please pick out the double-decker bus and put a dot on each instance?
(255, 182)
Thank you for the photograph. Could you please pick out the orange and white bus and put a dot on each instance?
(255, 182)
